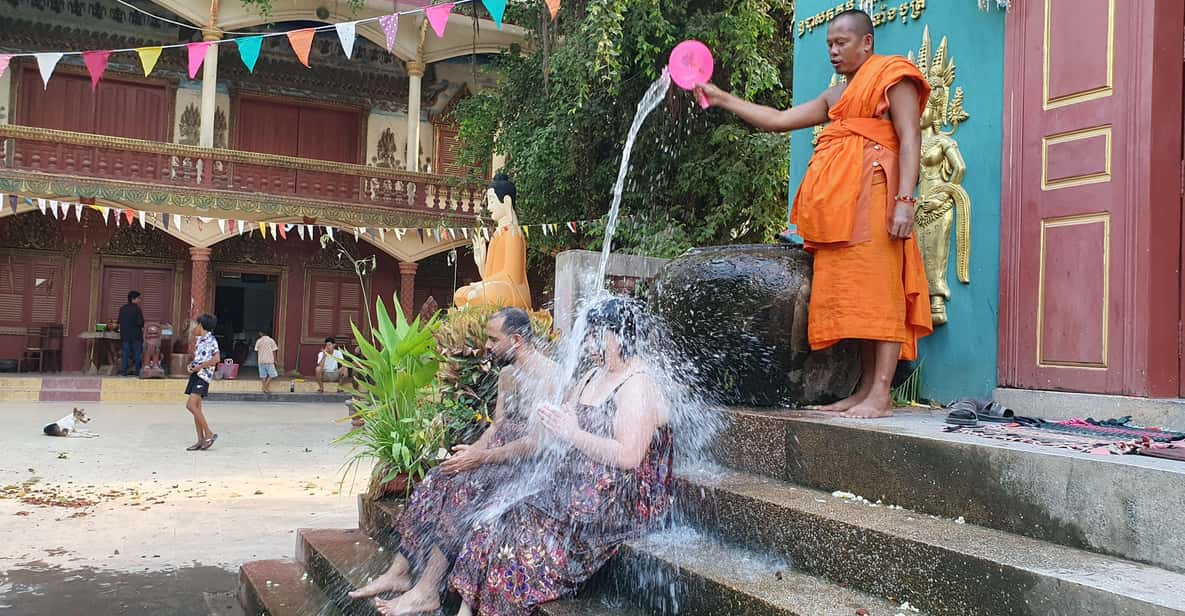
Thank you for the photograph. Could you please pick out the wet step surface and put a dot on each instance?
(942, 565)
(1127, 506)
(281, 588)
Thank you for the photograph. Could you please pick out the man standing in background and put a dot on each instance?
(265, 356)
(131, 335)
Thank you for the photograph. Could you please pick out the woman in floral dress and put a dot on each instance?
(611, 486)
(437, 515)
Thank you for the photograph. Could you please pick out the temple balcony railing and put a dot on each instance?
(220, 178)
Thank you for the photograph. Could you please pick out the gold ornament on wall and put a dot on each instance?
(942, 200)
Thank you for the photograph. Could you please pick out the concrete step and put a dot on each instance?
(70, 395)
(281, 588)
(71, 383)
(938, 564)
(594, 606)
(1126, 506)
(378, 518)
(299, 398)
(339, 561)
(682, 572)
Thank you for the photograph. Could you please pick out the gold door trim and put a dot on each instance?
(1070, 137)
(1073, 221)
(1085, 95)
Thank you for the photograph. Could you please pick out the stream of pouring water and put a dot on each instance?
(654, 95)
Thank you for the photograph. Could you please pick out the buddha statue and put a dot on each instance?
(502, 263)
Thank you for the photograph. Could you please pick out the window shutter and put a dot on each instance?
(349, 308)
(46, 289)
(322, 308)
(13, 276)
(157, 289)
(117, 281)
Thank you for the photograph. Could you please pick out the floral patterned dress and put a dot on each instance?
(545, 546)
(439, 510)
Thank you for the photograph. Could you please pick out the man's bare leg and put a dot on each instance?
(397, 578)
(320, 381)
(867, 368)
(878, 403)
(424, 596)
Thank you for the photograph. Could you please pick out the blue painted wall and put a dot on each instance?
(960, 357)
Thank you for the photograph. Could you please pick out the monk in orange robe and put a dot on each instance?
(854, 208)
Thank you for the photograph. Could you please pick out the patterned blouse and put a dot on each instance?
(206, 349)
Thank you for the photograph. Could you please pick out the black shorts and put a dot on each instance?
(197, 385)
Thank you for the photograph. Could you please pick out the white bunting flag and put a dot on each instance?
(271, 226)
(346, 34)
(300, 230)
(221, 226)
(362, 230)
(118, 217)
(329, 232)
(46, 63)
(177, 222)
(41, 205)
(78, 212)
(399, 233)
(486, 232)
(355, 234)
(142, 219)
(382, 234)
(241, 225)
(203, 219)
(53, 208)
(312, 231)
(105, 211)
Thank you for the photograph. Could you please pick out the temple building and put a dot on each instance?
(211, 192)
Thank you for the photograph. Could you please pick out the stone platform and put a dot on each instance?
(81, 388)
(966, 527)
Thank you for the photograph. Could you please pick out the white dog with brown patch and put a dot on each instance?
(66, 425)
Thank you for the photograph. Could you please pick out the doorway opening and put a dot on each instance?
(245, 304)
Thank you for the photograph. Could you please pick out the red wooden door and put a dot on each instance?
(116, 108)
(1091, 214)
(155, 287)
(320, 133)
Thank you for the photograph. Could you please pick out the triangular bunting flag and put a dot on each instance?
(572, 226)
(96, 63)
(118, 217)
(53, 208)
(177, 221)
(105, 211)
(496, 8)
(554, 7)
(382, 234)
(355, 234)
(346, 34)
(4, 60)
(545, 230)
(241, 227)
(164, 221)
(78, 212)
(362, 230)
(436, 234)
(300, 230)
(221, 226)
(130, 215)
(12, 203)
(283, 232)
(249, 51)
(46, 63)
(465, 231)
(399, 233)
(197, 55)
(390, 24)
(142, 219)
(486, 232)
(41, 206)
(148, 58)
(329, 232)
(438, 16)
(302, 42)
(312, 231)
(421, 231)
(526, 231)
(263, 229)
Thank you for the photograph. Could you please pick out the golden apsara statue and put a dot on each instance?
(942, 201)
(503, 262)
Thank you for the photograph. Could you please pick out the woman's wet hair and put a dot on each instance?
(623, 317)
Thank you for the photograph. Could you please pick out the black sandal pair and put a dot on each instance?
(968, 413)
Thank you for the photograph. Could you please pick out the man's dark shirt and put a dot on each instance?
(131, 322)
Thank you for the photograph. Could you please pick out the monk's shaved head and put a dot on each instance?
(857, 20)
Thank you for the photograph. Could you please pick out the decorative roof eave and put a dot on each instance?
(458, 39)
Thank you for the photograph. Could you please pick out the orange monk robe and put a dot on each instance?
(866, 284)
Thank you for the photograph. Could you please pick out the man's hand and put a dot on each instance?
(465, 458)
(901, 226)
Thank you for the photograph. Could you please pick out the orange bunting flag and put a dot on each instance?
(554, 7)
(302, 42)
(283, 232)
(130, 215)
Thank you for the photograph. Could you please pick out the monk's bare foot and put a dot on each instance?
(394, 580)
(843, 405)
(873, 407)
(414, 602)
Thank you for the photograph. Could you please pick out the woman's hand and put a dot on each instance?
(465, 458)
(559, 421)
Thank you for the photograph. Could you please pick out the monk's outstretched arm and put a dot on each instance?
(903, 110)
(767, 118)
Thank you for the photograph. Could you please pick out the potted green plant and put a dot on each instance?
(394, 369)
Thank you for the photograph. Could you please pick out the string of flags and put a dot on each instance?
(62, 210)
(301, 41)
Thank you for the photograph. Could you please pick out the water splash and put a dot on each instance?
(654, 95)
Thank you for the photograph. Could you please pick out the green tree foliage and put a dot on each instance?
(565, 102)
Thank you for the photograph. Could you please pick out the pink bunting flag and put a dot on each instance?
(4, 60)
(554, 7)
(438, 15)
(96, 63)
(197, 55)
(390, 24)
(130, 215)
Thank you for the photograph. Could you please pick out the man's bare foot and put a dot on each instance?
(843, 405)
(873, 407)
(393, 580)
(414, 602)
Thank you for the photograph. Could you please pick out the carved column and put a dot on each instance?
(415, 74)
(407, 288)
(209, 91)
(200, 258)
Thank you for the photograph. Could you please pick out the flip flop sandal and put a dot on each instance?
(195, 447)
(963, 413)
(208, 443)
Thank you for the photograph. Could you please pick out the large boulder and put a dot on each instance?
(740, 315)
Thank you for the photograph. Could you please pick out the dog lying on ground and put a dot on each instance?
(66, 425)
